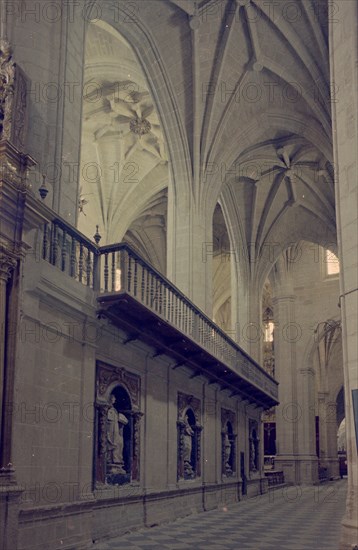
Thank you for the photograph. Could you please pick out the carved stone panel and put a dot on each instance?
(108, 375)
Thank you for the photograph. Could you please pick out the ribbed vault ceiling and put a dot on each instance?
(250, 88)
(123, 150)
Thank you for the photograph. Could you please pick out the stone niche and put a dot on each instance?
(189, 437)
(117, 426)
(228, 443)
(254, 446)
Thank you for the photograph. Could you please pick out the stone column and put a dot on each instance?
(9, 490)
(296, 455)
(344, 62)
(190, 250)
(328, 434)
(252, 330)
(7, 265)
(332, 449)
(322, 415)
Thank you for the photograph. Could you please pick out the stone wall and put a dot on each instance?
(60, 340)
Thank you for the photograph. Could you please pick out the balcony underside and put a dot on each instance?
(141, 323)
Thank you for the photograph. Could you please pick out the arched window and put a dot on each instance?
(331, 264)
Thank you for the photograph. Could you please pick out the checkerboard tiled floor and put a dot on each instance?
(282, 520)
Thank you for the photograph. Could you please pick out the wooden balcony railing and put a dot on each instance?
(118, 268)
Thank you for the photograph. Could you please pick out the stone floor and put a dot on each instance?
(292, 518)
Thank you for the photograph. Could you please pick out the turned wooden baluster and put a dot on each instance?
(201, 330)
(45, 242)
(172, 305)
(151, 290)
(164, 301)
(168, 300)
(73, 258)
(129, 279)
(160, 297)
(54, 245)
(64, 251)
(135, 278)
(216, 341)
(142, 284)
(106, 271)
(88, 268)
(187, 319)
(176, 311)
(80, 264)
(113, 272)
(147, 290)
(156, 293)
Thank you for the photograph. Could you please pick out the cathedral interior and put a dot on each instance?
(178, 261)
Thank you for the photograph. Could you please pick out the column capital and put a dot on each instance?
(8, 261)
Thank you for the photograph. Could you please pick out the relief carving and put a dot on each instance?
(7, 87)
(107, 375)
(8, 263)
(13, 97)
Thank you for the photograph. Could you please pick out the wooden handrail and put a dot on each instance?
(164, 298)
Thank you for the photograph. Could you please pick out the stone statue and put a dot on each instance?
(115, 424)
(252, 455)
(187, 446)
(227, 445)
(7, 80)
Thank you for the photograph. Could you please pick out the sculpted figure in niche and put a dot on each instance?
(115, 424)
(188, 445)
(7, 76)
(252, 456)
(254, 451)
(227, 453)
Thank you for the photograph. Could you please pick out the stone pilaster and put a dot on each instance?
(344, 63)
(190, 251)
(7, 265)
(9, 490)
(295, 436)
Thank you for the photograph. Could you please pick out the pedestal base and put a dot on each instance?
(298, 470)
(349, 531)
(118, 479)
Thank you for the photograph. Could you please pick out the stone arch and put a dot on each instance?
(122, 134)
(149, 58)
